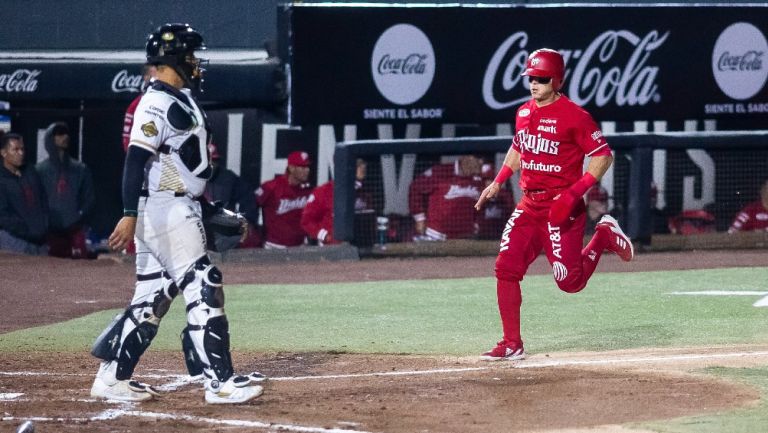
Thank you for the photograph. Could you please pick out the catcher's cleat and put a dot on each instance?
(504, 351)
(122, 390)
(618, 242)
(237, 389)
(257, 377)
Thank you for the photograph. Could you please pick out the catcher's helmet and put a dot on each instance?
(174, 45)
(546, 62)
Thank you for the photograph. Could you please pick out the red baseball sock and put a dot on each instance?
(590, 255)
(510, 299)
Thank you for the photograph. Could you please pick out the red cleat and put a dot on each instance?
(504, 351)
(619, 242)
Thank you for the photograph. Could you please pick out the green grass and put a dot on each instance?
(459, 316)
(746, 420)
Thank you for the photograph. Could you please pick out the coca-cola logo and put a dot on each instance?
(600, 74)
(124, 82)
(738, 61)
(20, 80)
(403, 64)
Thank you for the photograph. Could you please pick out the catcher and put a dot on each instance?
(166, 168)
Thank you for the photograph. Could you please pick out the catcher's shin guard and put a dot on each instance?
(132, 331)
(207, 328)
(191, 358)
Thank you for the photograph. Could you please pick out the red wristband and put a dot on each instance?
(584, 184)
(504, 174)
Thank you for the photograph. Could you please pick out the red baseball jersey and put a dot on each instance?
(754, 216)
(281, 206)
(446, 202)
(553, 141)
(317, 218)
(128, 121)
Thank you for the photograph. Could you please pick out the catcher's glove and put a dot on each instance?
(224, 229)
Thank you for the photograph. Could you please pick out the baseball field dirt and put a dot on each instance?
(339, 392)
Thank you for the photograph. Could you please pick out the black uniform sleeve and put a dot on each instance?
(133, 178)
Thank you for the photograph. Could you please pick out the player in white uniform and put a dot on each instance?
(166, 168)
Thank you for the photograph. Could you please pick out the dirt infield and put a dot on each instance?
(327, 392)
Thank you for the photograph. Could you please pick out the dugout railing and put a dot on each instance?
(742, 155)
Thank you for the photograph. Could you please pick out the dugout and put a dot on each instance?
(91, 89)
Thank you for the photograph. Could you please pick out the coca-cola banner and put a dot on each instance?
(254, 85)
(388, 64)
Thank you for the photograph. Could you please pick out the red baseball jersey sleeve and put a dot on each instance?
(281, 206)
(317, 217)
(128, 121)
(553, 141)
(754, 216)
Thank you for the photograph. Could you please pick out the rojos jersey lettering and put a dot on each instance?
(537, 144)
(457, 191)
(289, 205)
(592, 79)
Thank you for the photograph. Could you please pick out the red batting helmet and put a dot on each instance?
(546, 62)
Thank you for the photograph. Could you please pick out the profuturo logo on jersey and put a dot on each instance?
(615, 67)
(403, 64)
(738, 61)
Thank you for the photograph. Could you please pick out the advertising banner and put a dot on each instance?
(462, 64)
(29, 79)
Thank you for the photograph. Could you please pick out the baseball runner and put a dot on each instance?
(166, 168)
(553, 137)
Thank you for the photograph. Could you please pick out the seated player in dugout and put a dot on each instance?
(753, 216)
(317, 217)
(441, 200)
(692, 222)
(494, 215)
(553, 136)
(282, 202)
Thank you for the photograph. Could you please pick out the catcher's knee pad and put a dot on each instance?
(163, 298)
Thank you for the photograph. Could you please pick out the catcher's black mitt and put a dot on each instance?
(223, 228)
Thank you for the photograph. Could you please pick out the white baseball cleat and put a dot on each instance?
(122, 390)
(237, 389)
(619, 242)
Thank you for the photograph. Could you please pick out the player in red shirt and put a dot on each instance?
(317, 218)
(148, 72)
(553, 137)
(441, 200)
(754, 216)
(282, 201)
